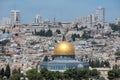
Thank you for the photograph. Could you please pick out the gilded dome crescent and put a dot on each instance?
(64, 48)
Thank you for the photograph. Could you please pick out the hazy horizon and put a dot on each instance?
(62, 10)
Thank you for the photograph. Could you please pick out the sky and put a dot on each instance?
(62, 10)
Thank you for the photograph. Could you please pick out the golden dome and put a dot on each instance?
(64, 48)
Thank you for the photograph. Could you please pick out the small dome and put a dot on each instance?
(64, 48)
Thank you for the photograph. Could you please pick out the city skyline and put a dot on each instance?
(60, 9)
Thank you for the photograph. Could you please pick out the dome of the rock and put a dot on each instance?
(64, 48)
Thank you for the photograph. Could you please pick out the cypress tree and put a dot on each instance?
(7, 71)
(2, 72)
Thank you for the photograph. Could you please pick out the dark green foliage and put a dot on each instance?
(94, 74)
(101, 78)
(7, 71)
(3, 49)
(63, 38)
(70, 74)
(16, 34)
(114, 74)
(58, 31)
(81, 28)
(3, 31)
(2, 72)
(3, 43)
(46, 58)
(76, 26)
(15, 75)
(97, 63)
(86, 35)
(79, 74)
(73, 36)
(108, 34)
(33, 75)
(44, 33)
(106, 64)
(57, 75)
(49, 33)
(15, 71)
(44, 73)
(115, 27)
(117, 53)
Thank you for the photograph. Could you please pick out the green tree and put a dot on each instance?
(102, 64)
(101, 78)
(81, 28)
(76, 26)
(68, 74)
(16, 34)
(117, 53)
(82, 74)
(3, 43)
(114, 74)
(49, 75)
(73, 37)
(33, 75)
(15, 77)
(2, 72)
(44, 72)
(3, 49)
(44, 33)
(115, 27)
(46, 58)
(92, 64)
(57, 75)
(7, 71)
(76, 74)
(58, 31)
(49, 33)
(86, 35)
(3, 31)
(97, 63)
(107, 64)
(94, 73)
(41, 33)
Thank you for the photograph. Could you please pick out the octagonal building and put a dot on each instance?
(63, 59)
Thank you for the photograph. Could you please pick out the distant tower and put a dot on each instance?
(117, 21)
(15, 17)
(93, 18)
(101, 15)
(37, 19)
